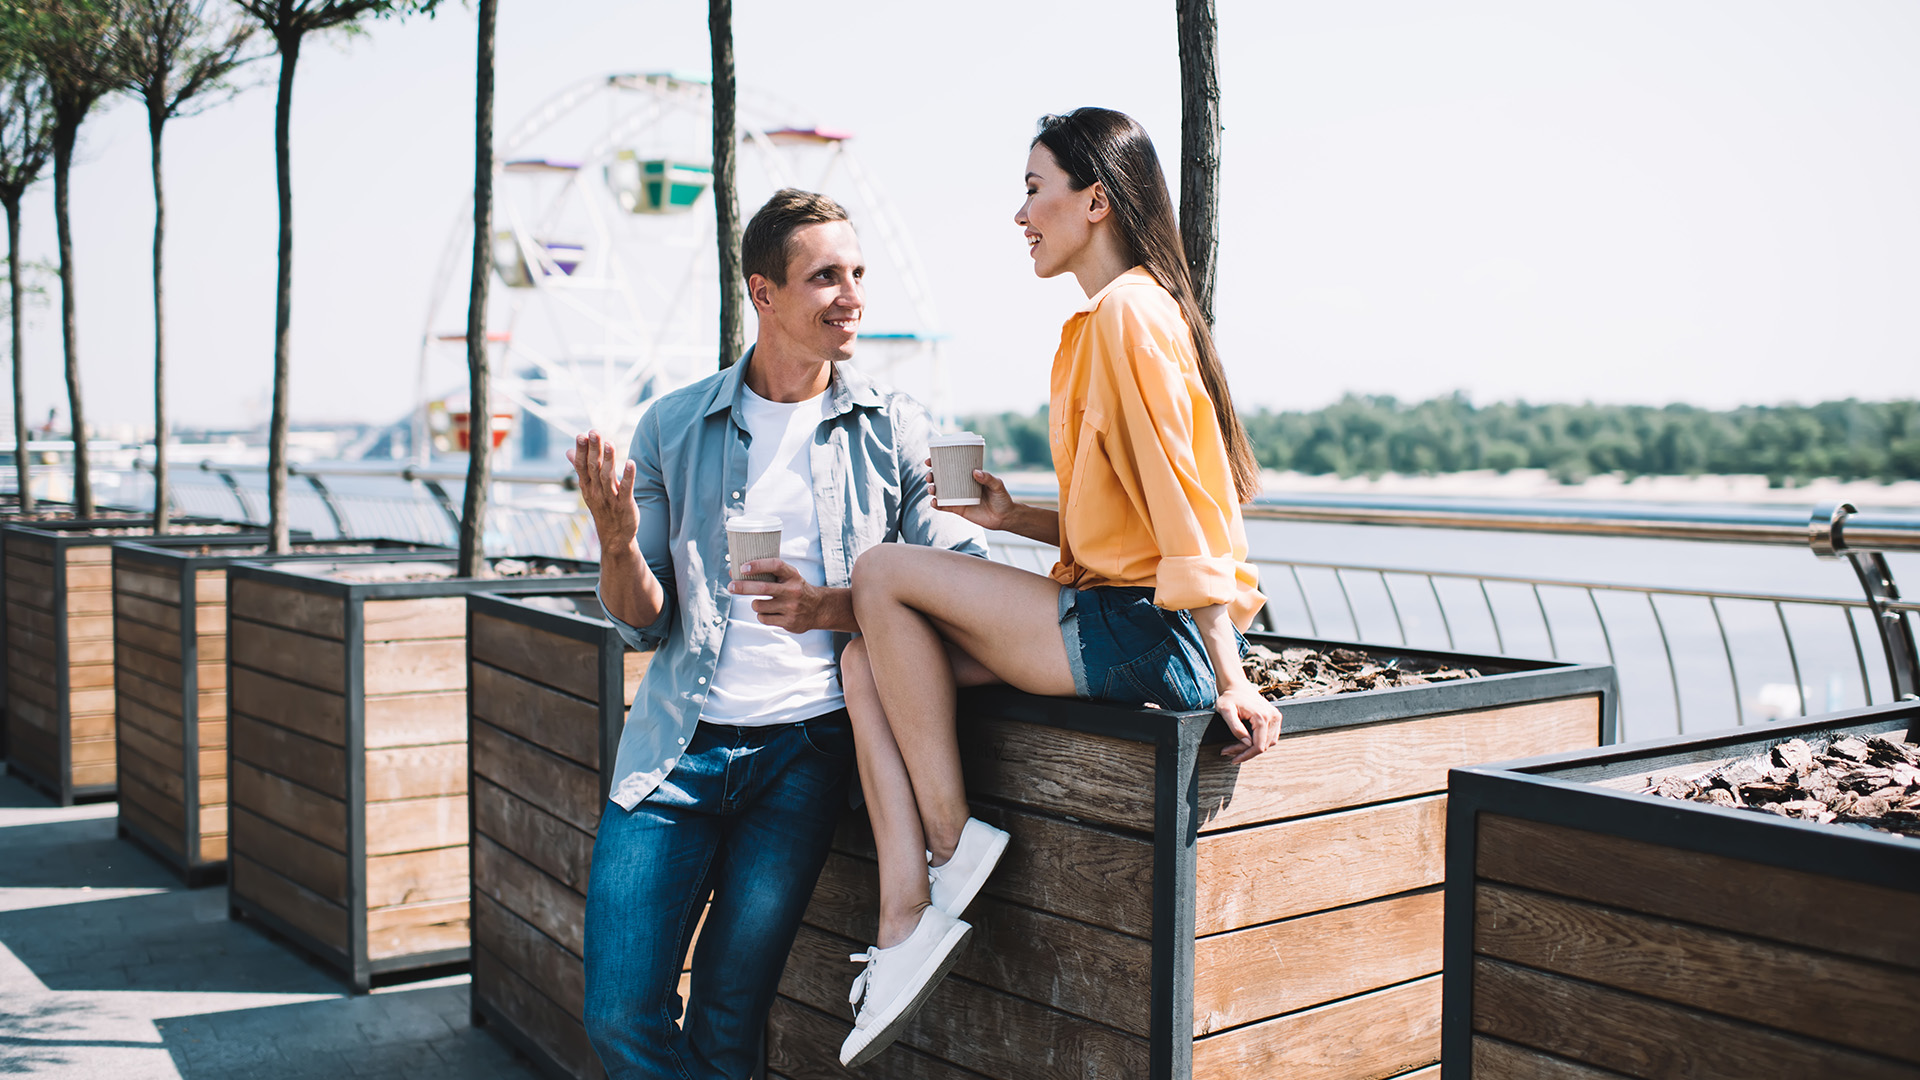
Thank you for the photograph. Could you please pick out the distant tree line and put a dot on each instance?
(1851, 440)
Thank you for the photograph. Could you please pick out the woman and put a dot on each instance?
(1152, 587)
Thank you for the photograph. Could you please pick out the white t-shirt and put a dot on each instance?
(767, 675)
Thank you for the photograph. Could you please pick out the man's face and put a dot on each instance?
(817, 312)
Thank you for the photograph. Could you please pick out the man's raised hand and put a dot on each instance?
(606, 486)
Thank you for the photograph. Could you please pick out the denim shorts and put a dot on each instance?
(1124, 649)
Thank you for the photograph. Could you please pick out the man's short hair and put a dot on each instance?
(767, 243)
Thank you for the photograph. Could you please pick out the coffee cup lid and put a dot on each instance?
(958, 438)
(753, 523)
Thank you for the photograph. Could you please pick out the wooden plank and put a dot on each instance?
(1087, 777)
(139, 581)
(1082, 872)
(160, 669)
(316, 714)
(308, 762)
(156, 804)
(1282, 967)
(213, 847)
(30, 691)
(416, 719)
(535, 1016)
(1384, 1033)
(1307, 864)
(520, 887)
(563, 788)
(971, 1025)
(213, 734)
(543, 716)
(134, 816)
(92, 578)
(416, 877)
(556, 973)
(91, 714)
(154, 762)
(154, 640)
(211, 646)
(133, 686)
(99, 551)
(416, 824)
(31, 714)
(210, 587)
(1496, 1060)
(287, 804)
(561, 662)
(318, 868)
(418, 928)
(24, 617)
(148, 613)
(804, 1044)
(1084, 970)
(293, 657)
(96, 775)
(421, 617)
(524, 829)
(154, 723)
(416, 772)
(1385, 761)
(1644, 1038)
(39, 668)
(1855, 1003)
(1790, 906)
(408, 667)
(90, 602)
(298, 906)
(32, 594)
(90, 652)
(82, 627)
(279, 605)
(89, 676)
(90, 747)
(31, 569)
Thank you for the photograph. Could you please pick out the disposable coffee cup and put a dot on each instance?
(751, 537)
(954, 459)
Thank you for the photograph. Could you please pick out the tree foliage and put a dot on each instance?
(1850, 440)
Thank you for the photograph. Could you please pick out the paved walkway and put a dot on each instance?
(110, 968)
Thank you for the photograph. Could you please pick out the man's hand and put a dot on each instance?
(606, 486)
(793, 603)
(1252, 719)
(994, 508)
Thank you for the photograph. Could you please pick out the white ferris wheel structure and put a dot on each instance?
(606, 292)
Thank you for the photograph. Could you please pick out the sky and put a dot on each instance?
(1703, 201)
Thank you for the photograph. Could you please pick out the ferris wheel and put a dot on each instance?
(606, 293)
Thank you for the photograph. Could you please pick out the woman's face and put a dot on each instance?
(1058, 220)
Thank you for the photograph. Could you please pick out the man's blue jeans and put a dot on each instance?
(746, 815)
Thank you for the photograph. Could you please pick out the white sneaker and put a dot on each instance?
(955, 884)
(897, 981)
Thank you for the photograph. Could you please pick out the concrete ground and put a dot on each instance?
(111, 968)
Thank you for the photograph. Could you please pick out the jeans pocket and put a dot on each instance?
(830, 738)
(1165, 677)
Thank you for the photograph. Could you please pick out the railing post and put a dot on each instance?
(326, 500)
(1826, 534)
(439, 495)
(233, 488)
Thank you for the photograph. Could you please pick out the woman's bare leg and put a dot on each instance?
(911, 601)
(891, 808)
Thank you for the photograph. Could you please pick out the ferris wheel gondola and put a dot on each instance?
(604, 243)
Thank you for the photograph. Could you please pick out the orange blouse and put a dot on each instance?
(1146, 490)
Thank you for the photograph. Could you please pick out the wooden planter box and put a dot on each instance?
(1596, 932)
(347, 757)
(170, 662)
(1162, 913)
(59, 631)
(550, 682)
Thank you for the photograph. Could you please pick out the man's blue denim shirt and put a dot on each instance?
(690, 462)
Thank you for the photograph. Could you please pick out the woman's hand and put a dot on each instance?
(1251, 718)
(606, 486)
(995, 508)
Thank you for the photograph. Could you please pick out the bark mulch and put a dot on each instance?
(1873, 782)
(1301, 672)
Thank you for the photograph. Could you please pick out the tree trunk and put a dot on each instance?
(1200, 145)
(64, 136)
(473, 518)
(21, 463)
(156, 122)
(726, 196)
(277, 534)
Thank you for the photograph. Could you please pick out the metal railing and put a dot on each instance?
(1688, 659)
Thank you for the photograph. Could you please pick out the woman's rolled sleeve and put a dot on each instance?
(1186, 582)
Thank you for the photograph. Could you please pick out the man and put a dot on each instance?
(734, 764)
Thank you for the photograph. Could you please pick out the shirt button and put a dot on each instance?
(682, 742)
(703, 680)
(736, 494)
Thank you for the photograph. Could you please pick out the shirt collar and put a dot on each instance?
(848, 387)
(1136, 276)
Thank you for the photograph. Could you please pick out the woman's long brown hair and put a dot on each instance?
(1100, 145)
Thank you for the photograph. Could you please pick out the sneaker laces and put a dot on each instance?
(856, 997)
